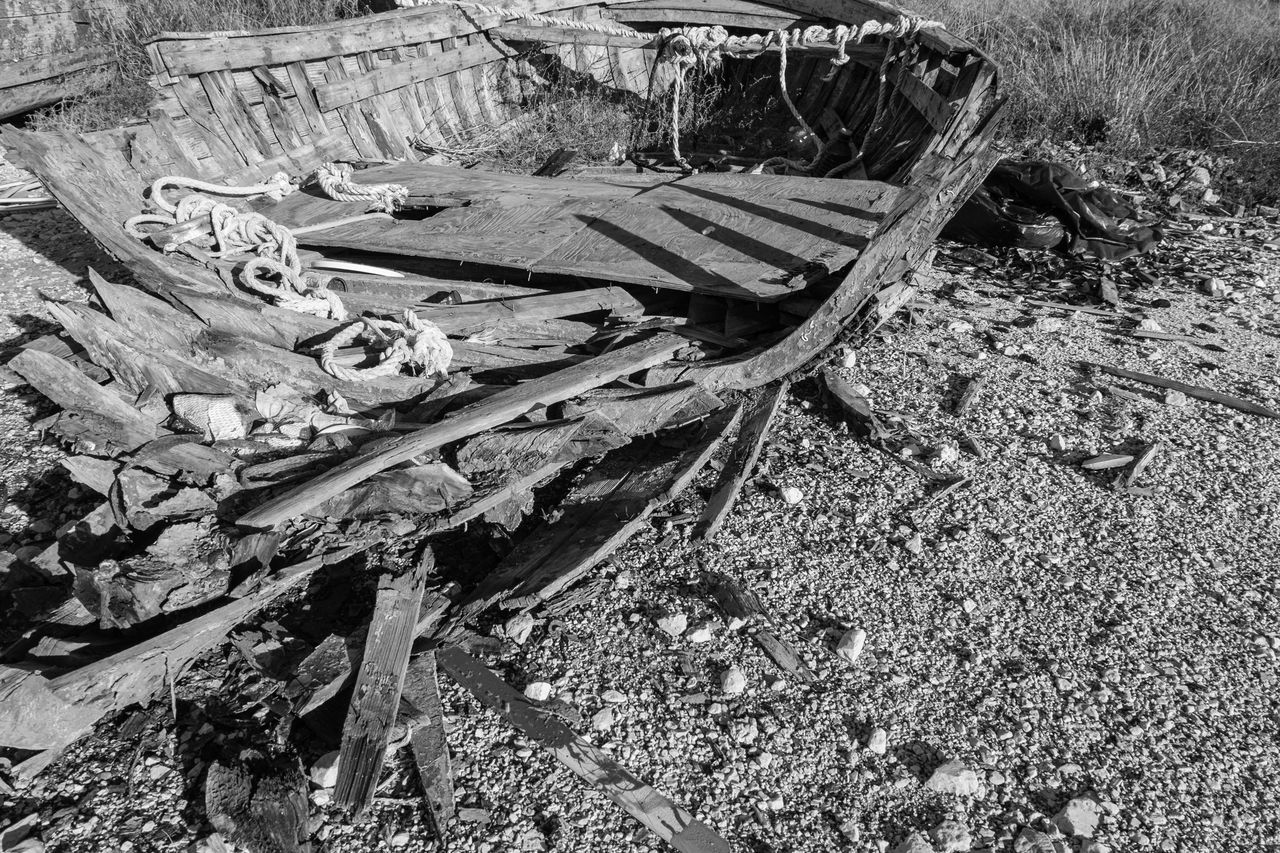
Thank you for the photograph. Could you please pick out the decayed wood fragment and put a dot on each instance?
(736, 601)
(1196, 391)
(501, 408)
(970, 396)
(113, 424)
(596, 518)
(430, 750)
(741, 462)
(259, 803)
(379, 684)
(134, 675)
(1129, 479)
(670, 822)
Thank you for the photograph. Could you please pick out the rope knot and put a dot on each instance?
(409, 342)
(334, 180)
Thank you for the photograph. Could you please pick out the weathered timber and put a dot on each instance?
(736, 601)
(1197, 391)
(501, 408)
(40, 713)
(670, 822)
(378, 686)
(598, 516)
(428, 741)
(741, 462)
(972, 390)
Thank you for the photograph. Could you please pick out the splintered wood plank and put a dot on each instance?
(739, 602)
(1197, 391)
(729, 234)
(599, 515)
(670, 822)
(499, 409)
(428, 741)
(376, 698)
(754, 237)
(746, 451)
(114, 423)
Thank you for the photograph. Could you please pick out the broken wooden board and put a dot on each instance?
(598, 516)
(670, 822)
(753, 237)
(738, 602)
(501, 408)
(378, 686)
(259, 803)
(742, 461)
(428, 741)
(1197, 391)
(109, 423)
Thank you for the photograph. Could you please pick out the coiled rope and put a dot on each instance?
(411, 342)
(334, 180)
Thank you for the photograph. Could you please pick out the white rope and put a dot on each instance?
(334, 180)
(235, 232)
(415, 343)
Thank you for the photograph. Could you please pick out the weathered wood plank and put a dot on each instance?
(428, 741)
(594, 766)
(378, 686)
(501, 408)
(738, 467)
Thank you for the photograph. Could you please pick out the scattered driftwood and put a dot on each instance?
(378, 687)
(1129, 479)
(742, 460)
(738, 602)
(430, 750)
(670, 822)
(972, 391)
(1196, 391)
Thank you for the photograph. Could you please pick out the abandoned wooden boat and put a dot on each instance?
(355, 306)
(47, 52)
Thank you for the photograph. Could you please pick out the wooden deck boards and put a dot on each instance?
(753, 237)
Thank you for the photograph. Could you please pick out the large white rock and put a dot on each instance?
(951, 836)
(673, 624)
(538, 691)
(733, 681)
(851, 644)
(953, 777)
(878, 742)
(1079, 816)
(324, 772)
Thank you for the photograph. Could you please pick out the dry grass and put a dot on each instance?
(1130, 74)
(128, 97)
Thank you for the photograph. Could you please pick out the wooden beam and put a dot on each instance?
(400, 74)
(501, 408)
(670, 822)
(376, 697)
(746, 451)
(428, 741)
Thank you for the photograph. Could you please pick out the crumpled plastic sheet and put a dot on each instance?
(1036, 204)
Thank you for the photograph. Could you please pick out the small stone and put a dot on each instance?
(700, 634)
(878, 742)
(1079, 816)
(953, 777)
(1149, 325)
(733, 681)
(614, 697)
(324, 773)
(1057, 442)
(850, 359)
(777, 685)
(1050, 324)
(791, 495)
(1174, 397)
(673, 624)
(538, 691)
(947, 453)
(969, 605)
(951, 836)
(400, 839)
(158, 771)
(519, 627)
(914, 843)
(1216, 288)
(602, 720)
(851, 644)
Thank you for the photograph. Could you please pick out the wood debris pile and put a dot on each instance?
(235, 476)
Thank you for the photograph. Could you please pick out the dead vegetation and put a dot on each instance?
(1138, 73)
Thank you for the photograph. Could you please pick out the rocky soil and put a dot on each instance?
(1050, 662)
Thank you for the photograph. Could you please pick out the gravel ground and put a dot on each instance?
(1059, 638)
